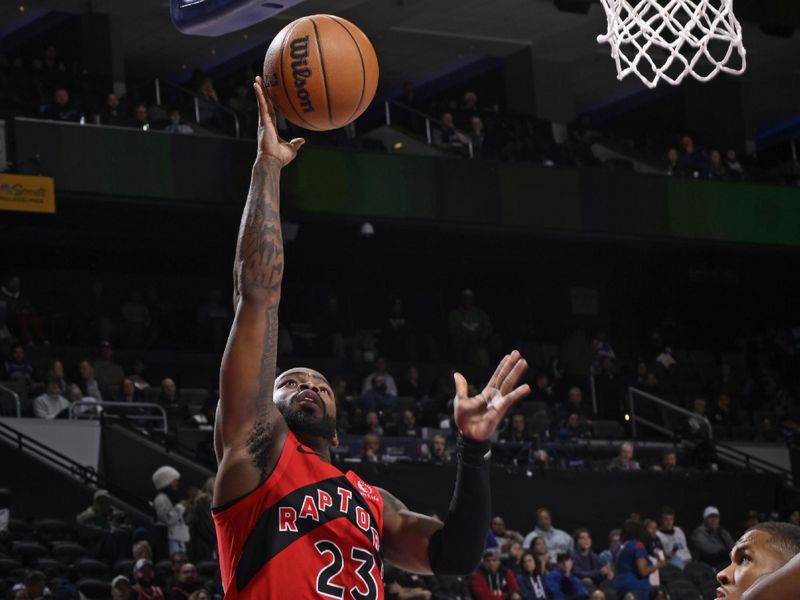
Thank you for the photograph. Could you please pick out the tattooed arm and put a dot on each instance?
(246, 411)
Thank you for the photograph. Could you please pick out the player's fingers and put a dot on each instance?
(263, 102)
(493, 380)
(461, 386)
(296, 143)
(505, 367)
(502, 404)
(517, 371)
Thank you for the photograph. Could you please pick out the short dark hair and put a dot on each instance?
(632, 529)
(666, 510)
(562, 556)
(577, 533)
(785, 537)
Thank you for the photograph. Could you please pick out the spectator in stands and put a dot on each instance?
(377, 397)
(121, 588)
(601, 350)
(438, 453)
(469, 102)
(137, 319)
(137, 375)
(624, 460)
(36, 585)
(49, 70)
(610, 554)
(651, 540)
(513, 560)
(18, 368)
(477, 136)
(176, 125)
(562, 583)
(446, 135)
(201, 526)
(587, 565)
(669, 462)
(400, 585)
(62, 108)
(89, 385)
(470, 331)
(517, 430)
(128, 391)
(379, 369)
(56, 371)
(723, 417)
(711, 542)
(185, 583)
(633, 567)
(372, 423)
(530, 579)
(142, 549)
(399, 338)
(111, 114)
(691, 160)
(573, 428)
(371, 448)
(74, 394)
(105, 531)
(715, 169)
(490, 582)
(141, 119)
(674, 165)
(411, 386)
(504, 536)
(542, 389)
(598, 595)
(50, 404)
(169, 509)
(557, 541)
(107, 372)
(170, 400)
(541, 554)
(673, 539)
(733, 165)
(574, 404)
(408, 425)
(207, 96)
(145, 576)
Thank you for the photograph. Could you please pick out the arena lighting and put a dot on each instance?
(627, 417)
(580, 7)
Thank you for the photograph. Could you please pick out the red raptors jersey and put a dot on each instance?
(308, 531)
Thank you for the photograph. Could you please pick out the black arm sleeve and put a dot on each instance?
(456, 548)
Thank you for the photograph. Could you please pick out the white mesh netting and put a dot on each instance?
(670, 39)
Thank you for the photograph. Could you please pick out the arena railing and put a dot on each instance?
(15, 396)
(388, 105)
(634, 393)
(86, 474)
(195, 99)
(90, 411)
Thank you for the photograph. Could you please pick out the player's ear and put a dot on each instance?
(335, 440)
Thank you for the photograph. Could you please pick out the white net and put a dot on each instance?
(670, 39)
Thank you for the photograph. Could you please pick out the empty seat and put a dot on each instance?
(68, 552)
(20, 530)
(50, 566)
(9, 566)
(27, 551)
(207, 568)
(670, 572)
(123, 567)
(50, 530)
(683, 589)
(699, 572)
(90, 568)
(94, 589)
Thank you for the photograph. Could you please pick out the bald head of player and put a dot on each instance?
(305, 399)
(762, 549)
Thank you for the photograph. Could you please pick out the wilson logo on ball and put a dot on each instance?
(301, 72)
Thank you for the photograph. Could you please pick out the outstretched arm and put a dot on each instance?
(783, 583)
(249, 428)
(424, 545)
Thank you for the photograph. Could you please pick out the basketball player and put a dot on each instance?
(290, 524)
(762, 565)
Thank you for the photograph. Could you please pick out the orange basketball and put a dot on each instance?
(321, 72)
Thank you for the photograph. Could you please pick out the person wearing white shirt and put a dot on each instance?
(51, 403)
(380, 369)
(169, 510)
(558, 541)
(673, 539)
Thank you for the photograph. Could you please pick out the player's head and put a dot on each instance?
(761, 550)
(305, 399)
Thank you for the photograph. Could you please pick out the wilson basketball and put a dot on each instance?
(321, 72)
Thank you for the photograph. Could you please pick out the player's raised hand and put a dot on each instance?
(269, 143)
(478, 417)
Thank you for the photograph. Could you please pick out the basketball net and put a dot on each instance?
(670, 39)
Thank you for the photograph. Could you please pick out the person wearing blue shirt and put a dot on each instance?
(562, 584)
(587, 565)
(530, 581)
(633, 566)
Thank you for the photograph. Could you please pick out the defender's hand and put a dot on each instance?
(478, 417)
(269, 143)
